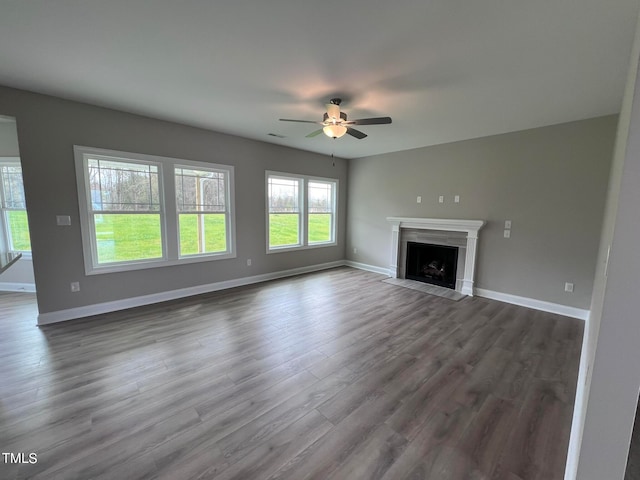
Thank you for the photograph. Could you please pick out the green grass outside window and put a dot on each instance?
(126, 237)
(214, 234)
(19, 228)
(283, 229)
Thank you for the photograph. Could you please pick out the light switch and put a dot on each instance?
(456, 199)
(507, 234)
(419, 199)
(568, 287)
(507, 224)
(63, 220)
(441, 199)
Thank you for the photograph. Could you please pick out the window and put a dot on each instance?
(141, 211)
(321, 211)
(301, 212)
(124, 212)
(201, 196)
(284, 212)
(15, 225)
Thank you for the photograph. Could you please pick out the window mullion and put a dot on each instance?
(5, 241)
(6, 237)
(90, 249)
(227, 211)
(334, 211)
(304, 212)
(99, 186)
(169, 204)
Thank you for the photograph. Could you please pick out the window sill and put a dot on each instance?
(143, 265)
(300, 247)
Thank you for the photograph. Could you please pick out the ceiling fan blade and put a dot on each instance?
(313, 134)
(299, 121)
(371, 121)
(356, 133)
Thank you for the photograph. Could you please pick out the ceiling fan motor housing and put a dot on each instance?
(343, 117)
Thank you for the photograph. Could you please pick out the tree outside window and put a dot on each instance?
(14, 210)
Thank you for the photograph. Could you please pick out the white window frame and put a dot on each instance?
(333, 212)
(170, 234)
(6, 235)
(304, 211)
(301, 208)
(227, 212)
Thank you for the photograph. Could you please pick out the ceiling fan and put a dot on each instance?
(335, 124)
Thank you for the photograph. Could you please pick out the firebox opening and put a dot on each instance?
(435, 264)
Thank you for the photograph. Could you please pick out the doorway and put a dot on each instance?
(16, 264)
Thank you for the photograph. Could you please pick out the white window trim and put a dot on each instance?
(301, 203)
(334, 224)
(304, 214)
(5, 241)
(168, 212)
(228, 171)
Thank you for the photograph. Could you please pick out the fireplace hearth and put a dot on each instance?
(434, 264)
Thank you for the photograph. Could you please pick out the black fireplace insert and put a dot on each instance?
(435, 264)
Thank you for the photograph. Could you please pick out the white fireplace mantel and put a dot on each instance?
(470, 227)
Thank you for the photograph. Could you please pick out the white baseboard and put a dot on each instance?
(17, 287)
(368, 268)
(502, 297)
(80, 312)
(533, 303)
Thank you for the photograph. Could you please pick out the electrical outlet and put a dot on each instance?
(507, 234)
(568, 287)
(419, 199)
(75, 286)
(441, 199)
(248, 262)
(456, 199)
(507, 224)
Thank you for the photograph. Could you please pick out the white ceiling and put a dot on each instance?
(444, 70)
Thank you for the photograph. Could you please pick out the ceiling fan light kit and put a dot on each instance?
(334, 131)
(335, 124)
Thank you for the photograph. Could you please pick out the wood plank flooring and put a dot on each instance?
(331, 375)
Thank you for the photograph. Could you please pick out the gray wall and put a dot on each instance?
(19, 275)
(550, 182)
(8, 138)
(48, 127)
(611, 350)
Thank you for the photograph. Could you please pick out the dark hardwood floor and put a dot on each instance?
(332, 375)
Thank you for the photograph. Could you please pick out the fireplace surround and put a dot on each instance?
(454, 232)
